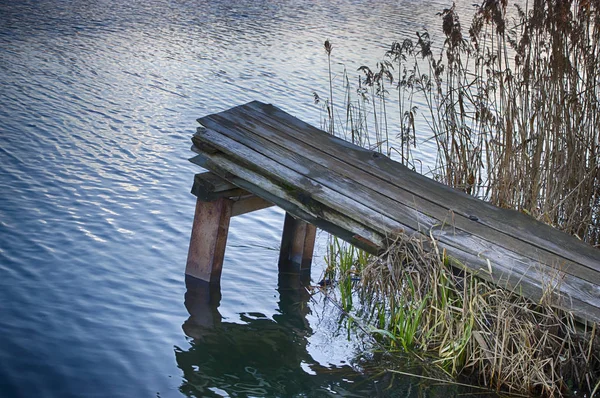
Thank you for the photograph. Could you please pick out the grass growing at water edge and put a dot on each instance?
(423, 302)
(344, 266)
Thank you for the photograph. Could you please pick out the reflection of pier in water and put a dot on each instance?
(266, 357)
(263, 357)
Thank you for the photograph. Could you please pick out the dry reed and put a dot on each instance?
(473, 328)
(513, 106)
(516, 110)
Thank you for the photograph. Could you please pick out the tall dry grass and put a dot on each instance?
(512, 103)
(516, 110)
(513, 106)
(476, 329)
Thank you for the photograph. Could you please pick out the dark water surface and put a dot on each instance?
(98, 100)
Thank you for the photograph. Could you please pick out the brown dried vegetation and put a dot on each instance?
(514, 108)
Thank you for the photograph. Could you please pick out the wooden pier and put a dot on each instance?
(257, 155)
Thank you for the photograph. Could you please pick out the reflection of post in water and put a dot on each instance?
(293, 299)
(261, 356)
(202, 302)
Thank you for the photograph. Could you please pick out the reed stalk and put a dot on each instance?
(419, 303)
(513, 105)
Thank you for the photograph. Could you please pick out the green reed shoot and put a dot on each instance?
(344, 266)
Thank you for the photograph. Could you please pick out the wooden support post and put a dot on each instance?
(297, 245)
(209, 237)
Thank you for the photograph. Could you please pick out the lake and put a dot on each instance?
(98, 101)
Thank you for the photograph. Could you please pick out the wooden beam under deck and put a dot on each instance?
(209, 187)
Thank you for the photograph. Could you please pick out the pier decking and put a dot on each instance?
(259, 155)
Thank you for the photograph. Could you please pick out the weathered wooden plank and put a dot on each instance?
(208, 240)
(327, 220)
(379, 195)
(538, 286)
(299, 183)
(511, 222)
(212, 183)
(446, 193)
(582, 296)
(478, 248)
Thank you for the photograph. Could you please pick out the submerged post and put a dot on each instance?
(208, 240)
(297, 245)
